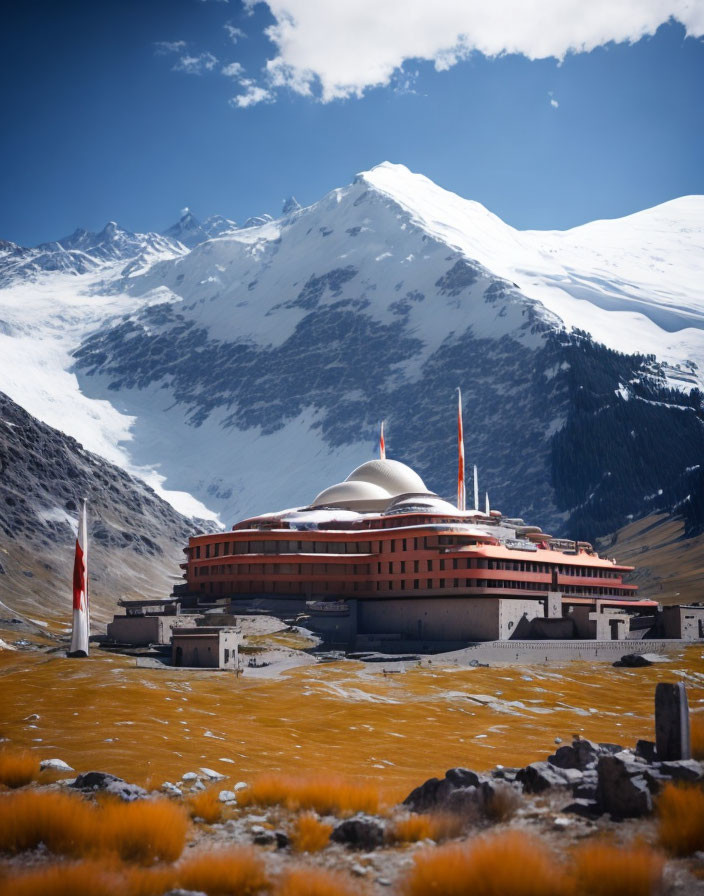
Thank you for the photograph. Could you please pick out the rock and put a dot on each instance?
(33, 718)
(211, 775)
(505, 774)
(56, 764)
(580, 754)
(264, 838)
(583, 807)
(240, 785)
(171, 789)
(558, 740)
(227, 796)
(462, 777)
(427, 795)
(645, 749)
(672, 737)
(622, 790)
(560, 822)
(682, 769)
(110, 784)
(282, 840)
(358, 869)
(632, 661)
(360, 832)
(198, 786)
(540, 776)
(189, 776)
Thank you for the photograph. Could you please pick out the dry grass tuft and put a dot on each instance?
(18, 769)
(72, 879)
(326, 794)
(432, 826)
(503, 803)
(205, 805)
(696, 730)
(304, 881)
(65, 824)
(606, 869)
(232, 872)
(144, 831)
(509, 863)
(681, 813)
(309, 833)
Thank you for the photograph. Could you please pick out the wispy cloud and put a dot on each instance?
(341, 49)
(233, 33)
(232, 70)
(164, 47)
(196, 65)
(553, 102)
(253, 95)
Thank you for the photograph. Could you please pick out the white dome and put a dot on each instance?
(391, 475)
(353, 496)
(429, 503)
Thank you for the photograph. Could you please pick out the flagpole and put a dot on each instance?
(461, 495)
(382, 443)
(80, 634)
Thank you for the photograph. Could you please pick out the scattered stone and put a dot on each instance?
(110, 784)
(227, 796)
(560, 822)
(540, 776)
(682, 769)
(211, 774)
(33, 718)
(56, 764)
(583, 807)
(633, 661)
(462, 777)
(240, 785)
(360, 832)
(645, 749)
(358, 869)
(189, 776)
(264, 838)
(282, 840)
(558, 740)
(622, 790)
(171, 789)
(198, 786)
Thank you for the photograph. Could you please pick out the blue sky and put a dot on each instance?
(130, 111)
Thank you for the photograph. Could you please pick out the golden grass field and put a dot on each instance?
(396, 730)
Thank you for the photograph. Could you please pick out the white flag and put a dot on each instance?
(81, 615)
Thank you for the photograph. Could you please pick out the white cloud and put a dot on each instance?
(163, 47)
(343, 47)
(232, 70)
(253, 94)
(234, 33)
(196, 65)
(554, 103)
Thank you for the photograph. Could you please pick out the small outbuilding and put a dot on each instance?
(206, 647)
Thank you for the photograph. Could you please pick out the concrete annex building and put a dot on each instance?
(380, 556)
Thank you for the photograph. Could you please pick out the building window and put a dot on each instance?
(430, 565)
(415, 566)
(442, 566)
(442, 583)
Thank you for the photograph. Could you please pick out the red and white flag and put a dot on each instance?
(461, 495)
(382, 443)
(81, 616)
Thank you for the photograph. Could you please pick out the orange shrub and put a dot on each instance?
(309, 833)
(696, 730)
(144, 831)
(508, 863)
(73, 879)
(606, 869)
(327, 794)
(503, 802)
(434, 826)
(205, 805)
(304, 881)
(88, 878)
(681, 815)
(65, 824)
(18, 769)
(232, 872)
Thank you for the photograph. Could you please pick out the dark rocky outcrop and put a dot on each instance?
(361, 832)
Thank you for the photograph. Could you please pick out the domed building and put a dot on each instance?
(380, 558)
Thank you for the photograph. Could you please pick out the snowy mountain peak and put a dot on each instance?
(217, 225)
(187, 230)
(290, 206)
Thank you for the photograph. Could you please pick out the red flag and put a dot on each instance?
(79, 579)
(461, 497)
(382, 443)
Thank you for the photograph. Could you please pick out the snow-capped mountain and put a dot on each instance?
(252, 370)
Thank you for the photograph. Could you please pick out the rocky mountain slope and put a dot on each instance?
(252, 370)
(135, 538)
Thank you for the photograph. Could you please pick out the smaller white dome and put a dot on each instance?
(353, 496)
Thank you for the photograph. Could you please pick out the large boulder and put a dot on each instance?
(622, 788)
(540, 776)
(92, 781)
(361, 832)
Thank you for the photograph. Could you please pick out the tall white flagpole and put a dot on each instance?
(476, 489)
(81, 617)
(461, 496)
